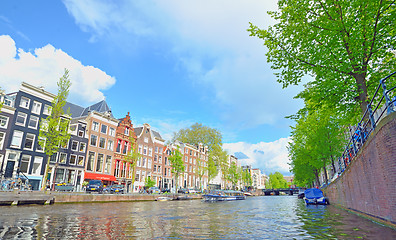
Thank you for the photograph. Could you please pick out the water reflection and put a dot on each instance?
(271, 217)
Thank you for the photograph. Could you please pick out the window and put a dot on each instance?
(21, 119)
(62, 157)
(155, 168)
(16, 139)
(118, 146)
(80, 160)
(24, 102)
(47, 109)
(2, 137)
(137, 175)
(3, 121)
(145, 150)
(156, 149)
(110, 145)
(140, 149)
(81, 133)
(94, 138)
(150, 152)
(186, 159)
(146, 140)
(103, 129)
(36, 170)
(99, 163)
(125, 149)
(138, 163)
(112, 131)
(74, 145)
(117, 169)
(144, 162)
(91, 157)
(102, 142)
(160, 150)
(160, 159)
(159, 169)
(126, 132)
(95, 126)
(29, 141)
(33, 122)
(36, 108)
(190, 160)
(53, 157)
(64, 143)
(108, 164)
(72, 159)
(82, 147)
(8, 102)
(166, 160)
(149, 163)
(155, 158)
(25, 160)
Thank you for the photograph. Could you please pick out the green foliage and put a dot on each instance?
(276, 181)
(200, 170)
(177, 164)
(1, 102)
(316, 141)
(133, 155)
(234, 174)
(148, 183)
(196, 134)
(246, 178)
(345, 45)
(54, 130)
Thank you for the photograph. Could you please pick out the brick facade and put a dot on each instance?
(368, 184)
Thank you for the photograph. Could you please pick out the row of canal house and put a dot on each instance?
(97, 148)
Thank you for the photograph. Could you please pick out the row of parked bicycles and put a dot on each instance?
(13, 184)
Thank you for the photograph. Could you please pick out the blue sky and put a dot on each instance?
(169, 63)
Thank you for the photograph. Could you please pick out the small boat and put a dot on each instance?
(223, 195)
(162, 199)
(248, 194)
(315, 196)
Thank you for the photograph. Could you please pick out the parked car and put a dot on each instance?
(154, 190)
(94, 186)
(183, 190)
(117, 188)
(165, 190)
(192, 190)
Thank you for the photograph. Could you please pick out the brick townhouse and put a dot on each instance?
(123, 168)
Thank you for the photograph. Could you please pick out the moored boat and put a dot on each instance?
(315, 196)
(224, 195)
(162, 199)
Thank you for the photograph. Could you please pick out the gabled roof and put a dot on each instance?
(78, 111)
(155, 134)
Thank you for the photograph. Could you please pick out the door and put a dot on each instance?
(9, 169)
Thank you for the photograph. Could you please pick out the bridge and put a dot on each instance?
(289, 191)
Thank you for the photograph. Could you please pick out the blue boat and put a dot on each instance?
(223, 195)
(315, 196)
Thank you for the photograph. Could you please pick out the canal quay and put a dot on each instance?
(257, 217)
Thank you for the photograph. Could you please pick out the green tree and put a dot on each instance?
(198, 133)
(345, 45)
(148, 183)
(246, 178)
(277, 181)
(234, 174)
(200, 169)
(54, 130)
(1, 102)
(133, 155)
(177, 164)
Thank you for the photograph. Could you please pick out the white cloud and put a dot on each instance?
(210, 41)
(45, 66)
(268, 156)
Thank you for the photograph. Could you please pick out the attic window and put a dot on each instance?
(147, 130)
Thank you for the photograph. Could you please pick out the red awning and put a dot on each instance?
(99, 176)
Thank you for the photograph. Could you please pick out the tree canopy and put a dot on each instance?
(177, 164)
(276, 181)
(345, 45)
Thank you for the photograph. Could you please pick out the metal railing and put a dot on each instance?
(368, 123)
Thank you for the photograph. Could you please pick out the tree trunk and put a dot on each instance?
(325, 173)
(362, 96)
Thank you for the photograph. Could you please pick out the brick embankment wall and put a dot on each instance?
(368, 185)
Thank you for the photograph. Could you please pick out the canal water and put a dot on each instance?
(266, 217)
